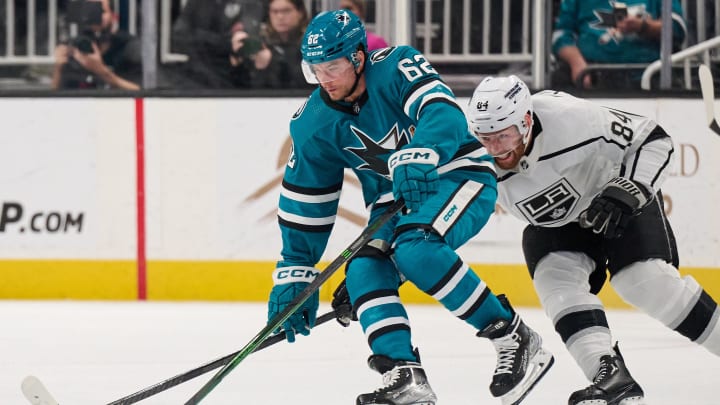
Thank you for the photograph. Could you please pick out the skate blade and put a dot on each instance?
(633, 401)
(538, 367)
(414, 403)
(624, 401)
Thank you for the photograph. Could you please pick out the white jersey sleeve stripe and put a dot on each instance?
(420, 91)
(464, 162)
(308, 198)
(297, 219)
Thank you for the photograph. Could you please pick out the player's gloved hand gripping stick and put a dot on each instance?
(414, 175)
(286, 288)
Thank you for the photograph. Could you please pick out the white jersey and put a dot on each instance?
(576, 148)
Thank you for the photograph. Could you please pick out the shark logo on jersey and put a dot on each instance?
(300, 110)
(550, 205)
(375, 154)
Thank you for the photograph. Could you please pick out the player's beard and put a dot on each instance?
(511, 158)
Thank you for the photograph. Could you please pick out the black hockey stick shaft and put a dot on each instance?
(196, 372)
(278, 320)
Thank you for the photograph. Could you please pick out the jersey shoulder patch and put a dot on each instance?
(313, 117)
(393, 54)
(301, 109)
(381, 54)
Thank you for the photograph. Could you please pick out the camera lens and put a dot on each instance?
(83, 44)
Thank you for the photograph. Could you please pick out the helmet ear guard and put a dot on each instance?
(498, 103)
(526, 129)
(354, 59)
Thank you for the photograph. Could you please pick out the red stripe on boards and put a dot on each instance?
(140, 173)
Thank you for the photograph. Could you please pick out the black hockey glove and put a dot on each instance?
(344, 312)
(611, 211)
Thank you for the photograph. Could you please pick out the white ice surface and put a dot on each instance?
(92, 353)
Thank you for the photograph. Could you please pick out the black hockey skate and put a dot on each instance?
(521, 360)
(612, 385)
(404, 382)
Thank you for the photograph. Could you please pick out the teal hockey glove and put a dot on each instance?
(414, 174)
(289, 282)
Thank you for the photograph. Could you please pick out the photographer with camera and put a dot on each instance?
(204, 31)
(281, 36)
(97, 55)
(249, 54)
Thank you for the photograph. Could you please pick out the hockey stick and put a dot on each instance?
(278, 320)
(708, 93)
(36, 392)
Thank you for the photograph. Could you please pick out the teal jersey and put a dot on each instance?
(406, 104)
(590, 25)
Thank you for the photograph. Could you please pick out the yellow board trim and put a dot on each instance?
(236, 281)
(68, 279)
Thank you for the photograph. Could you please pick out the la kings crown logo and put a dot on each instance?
(550, 205)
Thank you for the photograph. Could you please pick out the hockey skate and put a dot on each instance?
(612, 385)
(404, 382)
(521, 360)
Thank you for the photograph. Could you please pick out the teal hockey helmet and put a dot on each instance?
(332, 35)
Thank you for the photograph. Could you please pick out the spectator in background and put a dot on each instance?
(278, 64)
(99, 56)
(606, 31)
(248, 55)
(359, 7)
(203, 32)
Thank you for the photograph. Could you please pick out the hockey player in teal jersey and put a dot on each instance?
(388, 116)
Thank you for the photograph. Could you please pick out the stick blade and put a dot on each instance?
(35, 392)
(708, 93)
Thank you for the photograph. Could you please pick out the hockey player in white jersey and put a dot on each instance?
(587, 180)
(388, 116)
